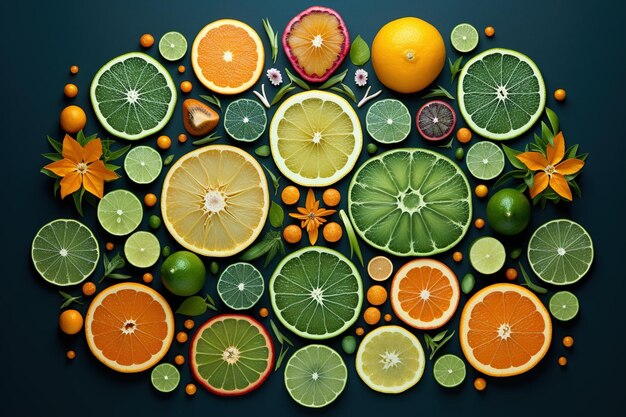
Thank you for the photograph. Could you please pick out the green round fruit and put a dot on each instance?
(183, 273)
(165, 377)
(508, 211)
(464, 37)
(245, 120)
(388, 121)
(449, 371)
(142, 249)
(240, 286)
(348, 344)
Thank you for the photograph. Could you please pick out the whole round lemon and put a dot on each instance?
(408, 54)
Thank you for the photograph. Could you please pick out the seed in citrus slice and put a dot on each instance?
(143, 164)
(231, 354)
(120, 212)
(388, 121)
(129, 327)
(173, 46)
(449, 371)
(505, 330)
(316, 292)
(240, 286)
(165, 377)
(65, 252)
(501, 93)
(563, 305)
(424, 293)
(142, 249)
(435, 120)
(215, 200)
(390, 359)
(245, 120)
(316, 138)
(485, 160)
(133, 96)
(487, 255)
(560, 252)
(315, 375)
(410, 202)
(379, 268)
(464, 37)
(227, 56)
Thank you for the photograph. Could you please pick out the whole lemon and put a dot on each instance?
(408, 54)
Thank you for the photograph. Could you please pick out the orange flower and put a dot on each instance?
(552, 169)
(81, 166)
(312, 216)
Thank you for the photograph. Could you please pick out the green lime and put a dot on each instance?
(183, 273)
(133, 96)
(485, 160)
(563, 305)
(65, 252)
(501, 93)
(467, 283)
(459, 153)
(120, 212)
(165, 377)
(245, 120)
(316, 292)
(410, 202)
(165, 252)
(464, 37)
(154, 221)
(348, 344)
(173, 46)
(315, 375)
(388, 121)
(240, 286)
(371, 148)
(449, 371)
(142, 249)
(508, 211)
(487, 255)
(214, 267)
(560, 252)
(143, 164)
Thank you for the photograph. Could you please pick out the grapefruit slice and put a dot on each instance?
(425, 293)
(129, 327)
(505, 330)
(316, 42)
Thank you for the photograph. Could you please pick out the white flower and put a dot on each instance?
(360, 77)
(274, 76)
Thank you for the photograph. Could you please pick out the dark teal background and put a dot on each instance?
(577, 45)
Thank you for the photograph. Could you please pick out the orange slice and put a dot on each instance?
(425, 293)
(227, 56)
(505, 330)
(129, 327)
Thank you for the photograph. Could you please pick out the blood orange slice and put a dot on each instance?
(425, 293)
(316, 41)
(129, 327)
(505, 330)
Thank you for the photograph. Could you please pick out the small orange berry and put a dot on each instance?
(568, 341)
(189, 324)
(185, 87)
(331, 197)
(179, 360)
(457, 256)
(481, 191)
(332, 232)
(150, 199)
(109, 246)
(290, 195)
(562, 361)
(264, 312)
(387, 317)
(146, 40)
(74, 69)
(164, 142)
(89, 288)
(181, 69)
(359, 331)
(376, 295)
(70, 90)
(190, 389)
(72, 119)
(182, 138)
(479, 223)
(70, 354)
(490, 31)
(71, 321)
(511, 274)
(371, 315)
(464, 135)
(147, 277)
(292, 234)
(181, 337)
(480, 384)
(560, 94)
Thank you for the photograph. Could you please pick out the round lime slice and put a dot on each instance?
(316, 292)
(560, 252)
(464, 37)
(173, 46)
(487, 255)
(449, 371)
(410, 202)
(245, 120)
(315, 375)
(501, 93)
(120, 212)
(142, 249)
(133, 96)
(485, 160)
(240, 286)
(563, 305)
(165, 377)
(143, 164)
(65, 252)
(388, 121)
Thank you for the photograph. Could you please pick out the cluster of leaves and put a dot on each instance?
(110, 266)
(436, 342)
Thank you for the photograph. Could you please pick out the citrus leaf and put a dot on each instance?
(511, 155)
(531, 285)
(192, 306)
(111, 156)
(279, 336)
(359, 51)
(277, 215)
(274, 179)
(281, 93)
(281, 357)
(168, 160)
(119, 276)
(208, 139)
(52, 156)
(263, 151)
(334, 80)
(439, 92)
(210, 302)
(547, 133)
(354, 242)
(455, 67)
(439, 336)
(273, 37)
(213, 100)
(507, 176)
(554, 120)
(56, 145)
(297, 81)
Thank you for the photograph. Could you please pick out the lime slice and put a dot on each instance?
(65, 252)
(245, 120)
(464, 37)
(485, 160)
(390, 359)
(449, 371)
(173, 46)
(142, 249)
(143, 164)
(563, 305)
(133, 96)
(410, 202)
(560, 252)
(120, 212)
(501, 93)
(165, 377)
(487, 255)
(316, 292)
(388, 121)
(315, 376)
(240, 286)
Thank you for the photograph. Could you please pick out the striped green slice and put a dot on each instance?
(240, 286)
(245, 120)
(449, 371)
(563, 305)
(143, 164)
(485, 160)
(165, 377)
(120, 212)
(388, 121)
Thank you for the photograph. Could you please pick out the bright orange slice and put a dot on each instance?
(505, 330)
(129, 327)
(227, 56)
(425, 293)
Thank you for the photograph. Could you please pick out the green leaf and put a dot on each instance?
(277, 215)
(348, 91)
(261, 248)
(336, 79)
(359, 51)
(439, 92)
(546, 133)
(275, 181)
(192, 306)
(273, 37)
(117, 262)
(56, 145)
(119, 276)
(213, 100)
(270, 255)
(507, 176)
(77, 196)
(439, 345)
(208, 139)
(354, 242)
(281, 357)
(57, 185)
(440, 336)
(69, 299)
(168, 159)
(575, 187)
(511, 155)
(263, 151)
(81, 139)
(455, 68)
(281, 93)
(112, 156)
(52, 156)
(531, 285)
(210, 302)
(554, 120)
(279, 336)
(521, 187)
(48, 173)
(571, 152)
(297, 81)
(447, 145)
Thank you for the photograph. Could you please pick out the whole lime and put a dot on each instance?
(183, 273)
(508, 211)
